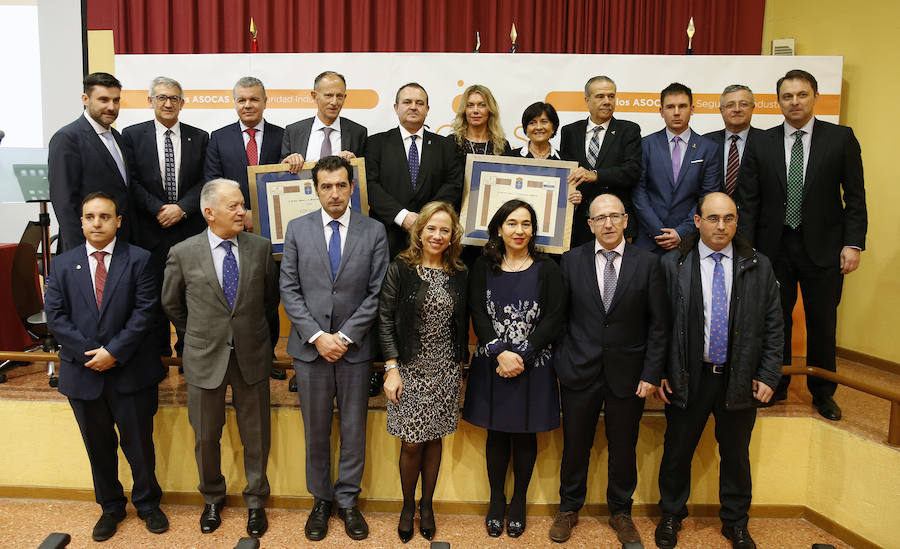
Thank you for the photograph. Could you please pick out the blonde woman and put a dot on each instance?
(476, 128)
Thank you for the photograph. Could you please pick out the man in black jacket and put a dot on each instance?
(724, 358)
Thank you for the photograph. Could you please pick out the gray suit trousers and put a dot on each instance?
(206, 412)
(318, 383)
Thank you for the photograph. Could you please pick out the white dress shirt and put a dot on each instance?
(259, 136)
(685, 136)
(344, 221)
(707, 270)
(789, 144)
(590, 134)
(92, 261)
(100, 131)
(218, 253)
(161, 150)
(407, 141)
(600, 261)
(317, 137)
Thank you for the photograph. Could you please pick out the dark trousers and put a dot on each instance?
(581, 410)
(206, 412)
(683, 430)
(162, 330)
(319, 383)
(132, 414)
(821, 288)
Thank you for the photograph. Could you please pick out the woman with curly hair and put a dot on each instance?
(517, 303)
(424, 339)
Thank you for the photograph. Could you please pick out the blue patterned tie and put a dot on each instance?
(609, 278)
(594, 146)
(334, 248)
(169, 150)
(114, 152)
(229, 274)
(413, 160)
(718, 324)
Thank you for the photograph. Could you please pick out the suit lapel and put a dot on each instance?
(691, 153)
(781, 167)
(83, 280)
(158, 189)
(187, 152)
(608, 140)
(100, 148)
(305, 133)
(428, 157)
(345, 134)
(317, 232)
(271, 148)
(816, 144)
(117, 265)
(237, 145)
(245, 266)
(662, 145)
(589, 265)
(204, 255)
(626, 274)
(395, 141)
(354, 235)
(581, 135)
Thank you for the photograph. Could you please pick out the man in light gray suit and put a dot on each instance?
(220, 286)
(331, 273)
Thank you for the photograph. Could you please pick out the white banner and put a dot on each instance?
(516, 80)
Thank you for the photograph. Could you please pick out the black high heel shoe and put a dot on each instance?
(426, 522)
(515, 521)
(493, 522)
(405, 526)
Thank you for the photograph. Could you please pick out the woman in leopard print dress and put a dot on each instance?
(424, 336)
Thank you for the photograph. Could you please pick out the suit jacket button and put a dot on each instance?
(327, 316)
(233, 316)
(333, 292)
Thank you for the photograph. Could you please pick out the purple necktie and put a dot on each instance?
(718, 322)
(676, 158)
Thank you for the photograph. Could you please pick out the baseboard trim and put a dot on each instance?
(869, 360)
(704, 510)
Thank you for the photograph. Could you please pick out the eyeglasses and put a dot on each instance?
(614, 217)
(744, 105)
(163, 98)
(715, 219)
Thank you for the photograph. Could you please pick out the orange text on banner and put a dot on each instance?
(704, 103)
(277, 99)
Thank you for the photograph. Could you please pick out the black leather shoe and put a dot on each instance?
(257, 523)
(739, 536)
(666, 535)
(107, 525)
(155, 519)
(317, 524)
(426, 522)
(828, 408)
(405, 527)
(211, 517)
(515, 528)
(292, 384)
(494, 527)
(354, 523)
(277, 374)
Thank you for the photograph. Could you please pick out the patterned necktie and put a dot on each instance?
(793, 214)
(99, 276)
(334, 247)
(718, 323)
(731, 169)
(171, 190)
(594, 146)
(676, 157)
(252, 154)
(326, 143)
(609, 278)
(413, 160)
(230, 274)
(111, 145)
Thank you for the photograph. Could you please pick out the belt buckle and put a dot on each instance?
(718, 368)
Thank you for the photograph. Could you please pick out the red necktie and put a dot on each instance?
(252, 156)
(731, 170)
(99, 276)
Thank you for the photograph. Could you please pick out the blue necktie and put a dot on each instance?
(413, 160)
(334, 248)
(229, 274)
(718, 324)
(111, 145)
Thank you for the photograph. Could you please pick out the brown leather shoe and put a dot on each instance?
(561, 530)
(624, 527)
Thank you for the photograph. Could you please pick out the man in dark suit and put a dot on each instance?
(326, 133)
(724, 358)
(220, 288)
(330, 293)
(408, 167)
(611, 357)
(87, 156)
(250, 141)
(608, 151)
(679, 166)
(167, 174)
(803, 203)
(736, 105)
(100, 300)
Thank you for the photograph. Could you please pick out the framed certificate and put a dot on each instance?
(493, 180)
(277, 196)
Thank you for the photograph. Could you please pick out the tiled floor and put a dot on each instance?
(25, 523)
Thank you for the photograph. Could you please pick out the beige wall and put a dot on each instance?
(866, 34)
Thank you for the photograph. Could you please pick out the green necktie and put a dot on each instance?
(793, 215)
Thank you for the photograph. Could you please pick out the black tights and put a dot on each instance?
(419, 458)
(499, 447)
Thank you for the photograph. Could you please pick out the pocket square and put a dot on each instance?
(697, 161)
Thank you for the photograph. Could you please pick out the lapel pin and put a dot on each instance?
(429, 141)
(189, 139)
(77, 266)
(694, 146)
(613, 132)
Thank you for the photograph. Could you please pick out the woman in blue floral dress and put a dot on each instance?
(516, 300)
